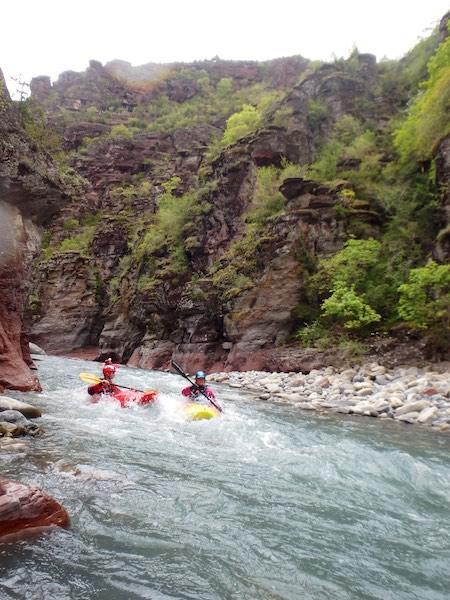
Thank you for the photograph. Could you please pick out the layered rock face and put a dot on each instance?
(14, 370)
(189, 318)
(209, 333)
(30, 194)
(442, 248)
(142, 305)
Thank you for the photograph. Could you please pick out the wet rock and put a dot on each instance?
(35, 349)
(28, 410)
(11, 430)
(13, 424)
(410, 417)
(11, 444)
(27, 511)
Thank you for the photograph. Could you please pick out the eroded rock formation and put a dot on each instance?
(30, 194)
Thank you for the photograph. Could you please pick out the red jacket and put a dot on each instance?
(193, 393)
(103, 388)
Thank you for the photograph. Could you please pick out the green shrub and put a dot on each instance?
(317, 113)
(425, 297)
(78, 243)
(267, 200)
(349, 267)
(121, 131)
(428, 122)
(347, 307)
(282, 116)
(241, 123)
(70, 224)
(225, 87)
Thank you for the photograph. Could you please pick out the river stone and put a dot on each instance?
(395, 402)
(9, 443)
(14, 416)
(366, 391)
(29, 411)
(412, 407)
(26, 510)
(22, 426)
(35, 349)
(10, 429)
(382, 406)
(360, 383)
(410, 417)
(362, 408)
(345, 410)
(427, 414)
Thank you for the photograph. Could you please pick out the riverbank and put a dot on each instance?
(411, 395)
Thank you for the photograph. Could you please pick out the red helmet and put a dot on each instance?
(109, 371)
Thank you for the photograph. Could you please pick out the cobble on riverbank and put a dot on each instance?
(409, 395)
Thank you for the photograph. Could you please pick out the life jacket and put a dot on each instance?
(193, 392)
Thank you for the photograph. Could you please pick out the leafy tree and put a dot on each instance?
(425, 297)
(346, 306)
(427, 122)
(350, 267)
(317, 113)
(225, 86)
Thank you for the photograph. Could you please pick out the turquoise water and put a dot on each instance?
(265, 503)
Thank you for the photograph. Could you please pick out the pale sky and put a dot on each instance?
(50, 36)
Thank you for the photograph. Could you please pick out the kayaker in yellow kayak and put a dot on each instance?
(198, 391)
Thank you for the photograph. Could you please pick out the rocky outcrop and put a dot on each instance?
(30, 194)
(207, 332)
(143, 304)
(188, 318)
(26, 511)
(68, 284)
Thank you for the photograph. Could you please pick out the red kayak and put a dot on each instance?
(128, 397)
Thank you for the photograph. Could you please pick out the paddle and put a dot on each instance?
(183, 374)
(91, 378)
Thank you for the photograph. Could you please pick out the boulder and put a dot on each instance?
(427, 414)
(412, 407)
(22, 426)
(28, 410)
(27, 511)
(35, 349)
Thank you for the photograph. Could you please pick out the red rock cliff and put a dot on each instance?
(30, 194)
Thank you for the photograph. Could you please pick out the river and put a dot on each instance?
(264, 503)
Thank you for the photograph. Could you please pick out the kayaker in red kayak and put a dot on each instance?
(105, 386)
(195, 392)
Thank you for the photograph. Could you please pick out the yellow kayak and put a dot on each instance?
(196, 412)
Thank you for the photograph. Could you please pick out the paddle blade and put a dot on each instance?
(90, 378)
